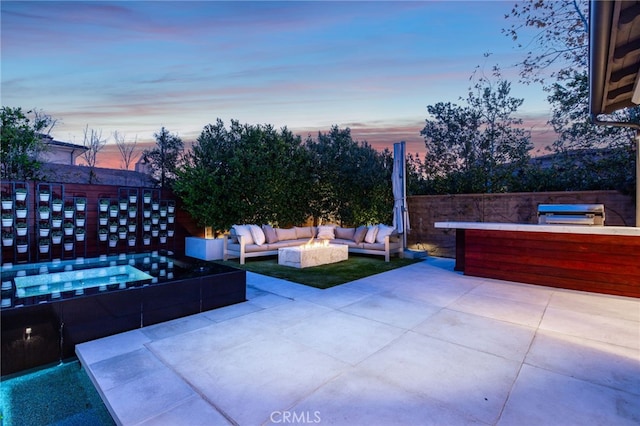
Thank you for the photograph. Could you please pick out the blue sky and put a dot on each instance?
(135, 66)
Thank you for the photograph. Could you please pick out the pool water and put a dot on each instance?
(62, 395)
(29, 284)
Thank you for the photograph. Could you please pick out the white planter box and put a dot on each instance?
(204, 248)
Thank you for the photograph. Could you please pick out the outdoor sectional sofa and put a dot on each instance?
(245, 241)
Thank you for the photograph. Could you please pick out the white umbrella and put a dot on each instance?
(398, 180)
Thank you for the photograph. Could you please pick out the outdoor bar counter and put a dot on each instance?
(603, 259)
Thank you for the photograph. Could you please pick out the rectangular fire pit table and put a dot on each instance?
(312, 255)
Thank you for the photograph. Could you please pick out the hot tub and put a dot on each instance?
(47, 308)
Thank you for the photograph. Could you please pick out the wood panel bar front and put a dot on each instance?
(606, 261)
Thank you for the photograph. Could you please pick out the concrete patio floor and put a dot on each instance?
(420, 345)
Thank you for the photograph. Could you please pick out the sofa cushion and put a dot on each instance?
(254, 248)
(245, 232)
(373, 246)
(249, 248)
(287, 243)
(350, 243)
(345, 233)
(286, 234)
(304, 232)
(257, 234)
(371, 234)
(383, 232)
(359, 234)
(270, 234)
(326, 232)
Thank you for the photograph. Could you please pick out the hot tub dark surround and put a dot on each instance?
(87, 299)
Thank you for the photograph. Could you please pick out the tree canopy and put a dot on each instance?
(21, 142)
(258, 174)
(477, 147)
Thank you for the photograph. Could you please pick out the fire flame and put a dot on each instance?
(312, 243)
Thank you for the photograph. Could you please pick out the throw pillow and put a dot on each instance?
(370, 237)
(359, 234)
(233, 235)
(286, 234)
(345, 233)
(383, 232)
(326, 233)
(257, 234)
(244, 232)
(270, 234)
(303, 232)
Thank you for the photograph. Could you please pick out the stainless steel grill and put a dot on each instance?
(571, 214)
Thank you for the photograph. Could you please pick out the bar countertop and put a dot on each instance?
(526, 227)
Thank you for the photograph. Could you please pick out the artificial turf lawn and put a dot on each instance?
(323, 276)
(62, 395)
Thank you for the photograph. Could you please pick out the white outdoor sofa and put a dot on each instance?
(245, 241)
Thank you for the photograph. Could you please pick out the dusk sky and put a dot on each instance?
(135, 66)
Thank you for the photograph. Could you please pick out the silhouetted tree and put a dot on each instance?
(557, 57)
(164, 158)
(94, 143)
(479, 147)
(127, 149)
